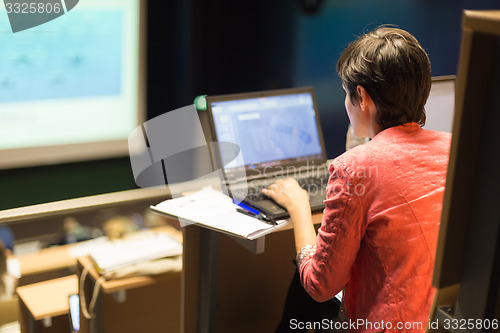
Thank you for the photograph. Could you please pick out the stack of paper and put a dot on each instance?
(119, 253)
(214, 210)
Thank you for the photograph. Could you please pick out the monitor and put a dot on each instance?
(273, 128)
(74, 312)
(72, 89)
(440, 105)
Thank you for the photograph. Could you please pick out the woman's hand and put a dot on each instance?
(288, 194)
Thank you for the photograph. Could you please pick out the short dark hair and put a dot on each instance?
(395, 71)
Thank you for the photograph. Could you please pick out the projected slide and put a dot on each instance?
(71, 88)
(76, 55)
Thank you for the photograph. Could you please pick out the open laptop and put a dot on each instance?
(74, 313)
(279, 134)
(440, 106)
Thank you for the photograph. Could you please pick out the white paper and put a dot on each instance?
(14, 267)
(122, 252)
(215, 210)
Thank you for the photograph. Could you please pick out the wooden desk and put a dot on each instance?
(136, 304)
(227, 288)
(58, 261)
(9, 308)
(46, 264)
(44, 306)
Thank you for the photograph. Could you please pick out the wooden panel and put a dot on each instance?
(36, 296)
(10, 310)
(190, 279)
(251, 287)
(152, 303)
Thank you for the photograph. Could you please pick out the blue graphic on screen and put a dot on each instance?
(268, 129)
(77, 55)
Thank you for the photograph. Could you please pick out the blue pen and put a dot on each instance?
(253, 211)
(245, 207)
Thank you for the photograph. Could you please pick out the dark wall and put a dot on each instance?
(225, 46)
(214, 47)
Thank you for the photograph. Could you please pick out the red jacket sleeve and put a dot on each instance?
(339, 237)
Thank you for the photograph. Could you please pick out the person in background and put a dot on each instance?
(378, 237)
(7, 237)
(7, 281)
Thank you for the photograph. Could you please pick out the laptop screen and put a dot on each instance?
(440, 106)
(271, 128)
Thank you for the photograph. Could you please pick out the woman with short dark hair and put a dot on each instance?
(378, 237)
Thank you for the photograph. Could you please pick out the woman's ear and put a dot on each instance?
(365, 101)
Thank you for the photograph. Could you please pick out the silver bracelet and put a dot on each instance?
(305, 253)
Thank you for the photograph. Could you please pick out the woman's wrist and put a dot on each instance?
(305, 253)
(300, 214)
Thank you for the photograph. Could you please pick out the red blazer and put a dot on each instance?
(379, 232)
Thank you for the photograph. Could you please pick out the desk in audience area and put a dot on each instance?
(44, 306)
(60, 261)
(135, 304)
(46, 264)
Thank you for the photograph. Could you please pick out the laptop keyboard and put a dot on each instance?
(313, 182)
(315, 186)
